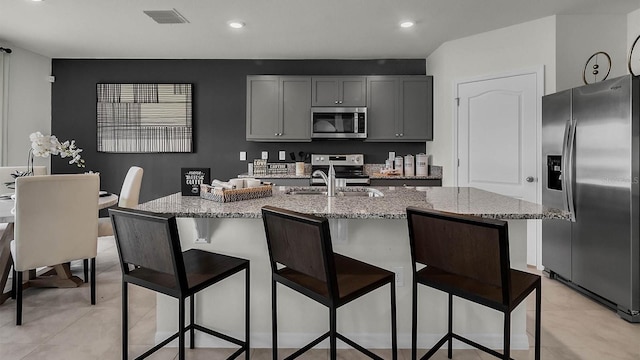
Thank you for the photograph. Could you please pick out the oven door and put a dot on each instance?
(338, 123)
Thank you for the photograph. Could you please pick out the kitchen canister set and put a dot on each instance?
(412, 166)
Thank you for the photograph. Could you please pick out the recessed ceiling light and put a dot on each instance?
(236, 24)
(406, 24)
(37, 0)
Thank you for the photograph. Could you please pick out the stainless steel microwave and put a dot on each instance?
(339, 122)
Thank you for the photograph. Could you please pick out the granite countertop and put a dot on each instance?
(391, 206)
(373, 170)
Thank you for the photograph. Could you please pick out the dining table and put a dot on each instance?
(6, 261)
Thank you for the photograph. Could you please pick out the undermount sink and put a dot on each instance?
(357, 192)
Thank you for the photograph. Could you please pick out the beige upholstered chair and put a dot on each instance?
(129, 195)
(56, 221)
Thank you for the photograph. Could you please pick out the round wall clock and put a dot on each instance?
(634, 58)
(597, 68)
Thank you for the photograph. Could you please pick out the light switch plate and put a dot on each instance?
(265, 155)
(282, 155)
(243, 155)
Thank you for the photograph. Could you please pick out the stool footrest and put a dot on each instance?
(358, 347)
(445, 338)
(307, 347)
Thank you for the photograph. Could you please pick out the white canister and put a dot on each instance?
(399, 164)
(409, 169)
(422, 165)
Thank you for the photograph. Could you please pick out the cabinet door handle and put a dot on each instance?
(335, 102)
(276, 134)
(396, 135)
(401, 134)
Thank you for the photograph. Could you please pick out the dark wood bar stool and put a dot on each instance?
(468, 257)
(302, 259)
(151, 257)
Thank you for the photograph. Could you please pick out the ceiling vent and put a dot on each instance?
(166, 16)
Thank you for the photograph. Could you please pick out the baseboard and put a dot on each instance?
(370, 341)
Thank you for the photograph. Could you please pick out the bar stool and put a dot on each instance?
(467, 256)
(302, 259)
(151, 257)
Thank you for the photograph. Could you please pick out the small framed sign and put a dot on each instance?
(191, 178)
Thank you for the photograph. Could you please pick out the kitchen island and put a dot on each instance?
(371, 229)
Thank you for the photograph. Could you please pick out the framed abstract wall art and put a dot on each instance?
(144, 118)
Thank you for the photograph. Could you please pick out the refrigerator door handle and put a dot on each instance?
(567, 166)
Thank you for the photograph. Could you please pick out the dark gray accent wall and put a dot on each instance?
(218, 115)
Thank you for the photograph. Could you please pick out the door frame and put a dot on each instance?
(534, 227)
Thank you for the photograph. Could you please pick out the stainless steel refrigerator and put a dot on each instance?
(591, 157)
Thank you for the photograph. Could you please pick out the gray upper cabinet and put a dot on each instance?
(278, 108)
(400, 108)
(339, 91)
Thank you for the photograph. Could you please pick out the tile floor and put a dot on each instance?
(60, 324)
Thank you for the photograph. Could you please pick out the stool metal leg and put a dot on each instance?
(274, 321)
(394, 333)
(181, 329)
(192, 330)
(507, 335)
(538, 318)
(125, 321)
(246, 315)
(414, 319)
(332, 332)
(450, 345)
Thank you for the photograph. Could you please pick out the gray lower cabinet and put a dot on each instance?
(407, 182)
(288, 181)
(278, 108)
(399, 108)
(339, 91)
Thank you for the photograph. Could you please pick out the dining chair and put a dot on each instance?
(302, 259)
(468, 257)
(56, 221)
(128, 198)
(151, 257)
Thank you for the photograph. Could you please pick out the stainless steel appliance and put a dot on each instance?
(339, 122)
(591, 157)
(348, 167)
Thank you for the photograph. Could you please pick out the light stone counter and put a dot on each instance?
(391, 206)
(371, 229)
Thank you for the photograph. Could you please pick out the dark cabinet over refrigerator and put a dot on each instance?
(591, 156)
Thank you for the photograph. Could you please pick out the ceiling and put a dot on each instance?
(275, 29)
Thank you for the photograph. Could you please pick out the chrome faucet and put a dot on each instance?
(329, 180)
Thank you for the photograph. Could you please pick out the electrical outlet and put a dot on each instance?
(282, 155)
(201, 241)
(243, 155)
(265, 155)
(399, 271)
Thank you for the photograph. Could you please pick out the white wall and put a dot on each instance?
(633, 30)
(29, 102)
(522, 46)
(580, 36)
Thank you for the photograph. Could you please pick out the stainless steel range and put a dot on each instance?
(348, 167)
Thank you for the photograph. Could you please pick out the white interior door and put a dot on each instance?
(497, 139)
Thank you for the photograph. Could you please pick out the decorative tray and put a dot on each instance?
(228, 195)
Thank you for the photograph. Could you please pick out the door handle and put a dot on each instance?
(529, 179)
